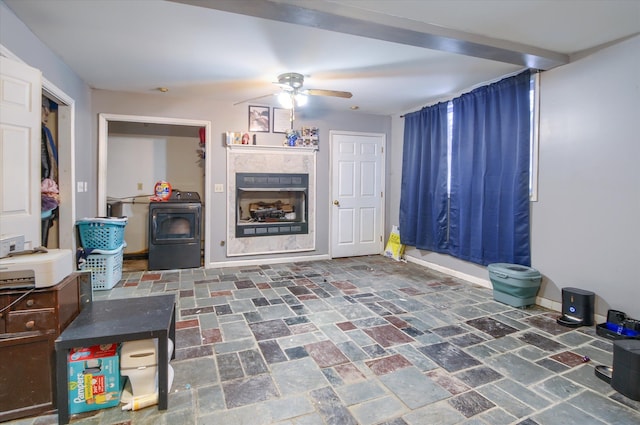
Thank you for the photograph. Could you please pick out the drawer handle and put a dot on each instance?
(30, 324)
(30, 303)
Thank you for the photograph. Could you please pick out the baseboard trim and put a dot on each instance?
(259, 261)
(557, 307)
(542, 302)
(451, 272)
(550, 304)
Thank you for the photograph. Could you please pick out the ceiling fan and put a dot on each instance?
(292, 93)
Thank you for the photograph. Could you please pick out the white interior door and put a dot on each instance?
(20, 102)
(357, 193)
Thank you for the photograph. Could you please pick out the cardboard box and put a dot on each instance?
(94, 378)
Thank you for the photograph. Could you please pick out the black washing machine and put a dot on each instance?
(175, 232)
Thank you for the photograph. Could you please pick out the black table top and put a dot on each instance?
(102, 322)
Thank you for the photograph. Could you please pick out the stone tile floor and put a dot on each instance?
(366, 341)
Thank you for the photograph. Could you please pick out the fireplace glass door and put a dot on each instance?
(271, 204)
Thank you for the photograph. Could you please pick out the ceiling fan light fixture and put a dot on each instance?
(292, 94)
(301, 99)
(291, 79)
(286, 100)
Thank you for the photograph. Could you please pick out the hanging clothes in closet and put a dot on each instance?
(49, 193)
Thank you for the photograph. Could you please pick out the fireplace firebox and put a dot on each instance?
(271, 204)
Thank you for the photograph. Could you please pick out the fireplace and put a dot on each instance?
(271, 204)
(271, 200)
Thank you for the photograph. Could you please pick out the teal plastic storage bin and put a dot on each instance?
(102, 233)
(514, 284)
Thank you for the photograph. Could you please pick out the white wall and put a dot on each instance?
(184, 170)
(586, 225)
(133, 160)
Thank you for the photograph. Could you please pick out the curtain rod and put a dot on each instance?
(486, 83)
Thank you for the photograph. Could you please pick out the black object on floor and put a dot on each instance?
(626, 368)
(577, 308)
(604, 372)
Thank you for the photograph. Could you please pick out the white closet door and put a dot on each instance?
(20, 121)
(357, 194)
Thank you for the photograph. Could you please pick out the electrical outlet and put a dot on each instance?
(85, 186)
(139, 186)
(218, 188)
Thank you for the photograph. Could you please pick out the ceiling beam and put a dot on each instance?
(349, 20)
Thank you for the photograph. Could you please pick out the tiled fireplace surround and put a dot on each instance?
(269, 159)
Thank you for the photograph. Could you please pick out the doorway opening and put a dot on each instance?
(66, 215)
(135, 152)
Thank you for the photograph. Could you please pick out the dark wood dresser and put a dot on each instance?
(30, 321)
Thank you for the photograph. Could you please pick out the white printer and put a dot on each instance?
(39, 269)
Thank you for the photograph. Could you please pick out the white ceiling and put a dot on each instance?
(232, 50)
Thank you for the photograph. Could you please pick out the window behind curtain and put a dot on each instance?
(484, 216)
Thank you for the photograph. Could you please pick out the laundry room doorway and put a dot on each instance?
(136, 152)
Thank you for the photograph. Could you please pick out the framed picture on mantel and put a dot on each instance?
(281, 120)
(259, 119)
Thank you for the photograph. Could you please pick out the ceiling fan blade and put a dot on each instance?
(334, 93)
(253, 98)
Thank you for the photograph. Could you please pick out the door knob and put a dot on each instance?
(336, 203)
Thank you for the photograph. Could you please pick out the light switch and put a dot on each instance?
(139, 186)
(218, 188)
(80, 186)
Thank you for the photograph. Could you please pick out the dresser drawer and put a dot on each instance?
(34, 300)
(31, 320)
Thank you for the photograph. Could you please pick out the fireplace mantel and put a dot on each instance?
(275, 148)
(270, 159)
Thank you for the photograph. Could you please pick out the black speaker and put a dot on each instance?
(626, 368)
(577, 307)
